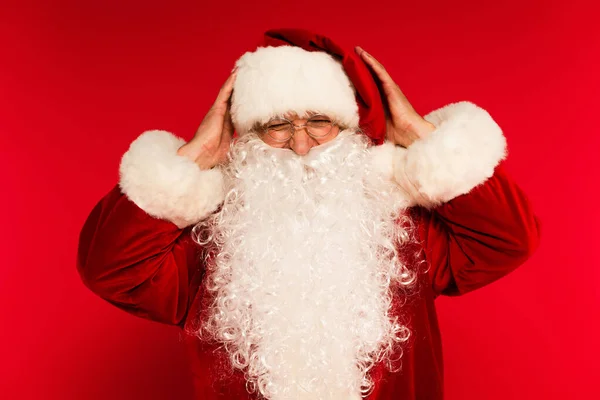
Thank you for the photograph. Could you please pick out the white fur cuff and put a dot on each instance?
(460, 154)
(166, 185)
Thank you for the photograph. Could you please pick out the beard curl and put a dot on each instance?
(304, 268)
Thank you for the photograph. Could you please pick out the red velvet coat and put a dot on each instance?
(149, 267)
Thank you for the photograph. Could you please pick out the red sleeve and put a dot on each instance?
(138, 263)
(476, 238)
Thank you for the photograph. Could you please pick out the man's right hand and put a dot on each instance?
(211, 142)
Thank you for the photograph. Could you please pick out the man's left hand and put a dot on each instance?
(404, 124)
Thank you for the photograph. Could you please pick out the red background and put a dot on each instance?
(79, 82)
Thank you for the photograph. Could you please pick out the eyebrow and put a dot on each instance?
(307, 113)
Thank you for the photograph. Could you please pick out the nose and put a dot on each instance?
(301, 142)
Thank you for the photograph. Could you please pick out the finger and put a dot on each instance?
(225, 91)
(379, 69)
(390, 87)
(227, 124)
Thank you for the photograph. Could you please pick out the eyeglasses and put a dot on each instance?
(282, 129)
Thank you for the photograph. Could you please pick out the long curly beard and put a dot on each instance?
(306, 266)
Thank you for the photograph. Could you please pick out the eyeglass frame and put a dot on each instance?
(265, 129)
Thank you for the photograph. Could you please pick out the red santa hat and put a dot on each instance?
(298, 70)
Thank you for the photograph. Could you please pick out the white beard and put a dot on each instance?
(307, 263)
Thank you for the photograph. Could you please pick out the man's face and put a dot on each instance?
(301, 142)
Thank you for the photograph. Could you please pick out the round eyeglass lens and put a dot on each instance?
(280, 130)
(319, 126)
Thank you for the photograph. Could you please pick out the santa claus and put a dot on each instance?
(301, 258)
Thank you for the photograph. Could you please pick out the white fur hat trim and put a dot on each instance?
(272, 81)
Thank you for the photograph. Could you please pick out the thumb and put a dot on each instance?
(228, 127)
